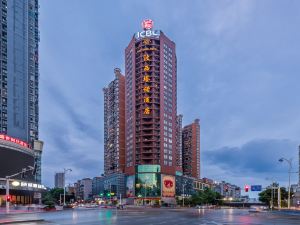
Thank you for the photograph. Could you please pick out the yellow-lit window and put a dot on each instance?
(146, 68)
(146, 99)
(147, 111)
(146, 78)
(146, 89)
(146, 57)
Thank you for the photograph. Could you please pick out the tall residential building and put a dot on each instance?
(114, 125)
(179, 143)
(19, 83)
(19, 56)
(20, 149)
(59, 180)
(191, 149)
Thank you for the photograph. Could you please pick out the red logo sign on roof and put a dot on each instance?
(147, 24)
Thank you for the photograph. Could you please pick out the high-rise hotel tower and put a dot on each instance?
(151, 108)
(151, 100)
(143, 105)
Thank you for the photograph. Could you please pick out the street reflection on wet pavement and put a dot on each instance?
(159, 216)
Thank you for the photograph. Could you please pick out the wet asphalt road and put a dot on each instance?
(159, 217)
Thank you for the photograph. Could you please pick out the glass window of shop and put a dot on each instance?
(148, 169)
(147, 185)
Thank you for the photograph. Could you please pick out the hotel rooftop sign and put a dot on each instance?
(147, 26)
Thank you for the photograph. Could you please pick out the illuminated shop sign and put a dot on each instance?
(26, 184)
(168, 186)
(14, 140)
(147, 33)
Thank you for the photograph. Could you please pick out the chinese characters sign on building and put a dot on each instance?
(146, 79)
(14, 140)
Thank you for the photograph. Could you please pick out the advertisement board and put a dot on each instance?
(168, 186)
(130, 186)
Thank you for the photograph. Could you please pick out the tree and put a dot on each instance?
(52, 197)
(266, 196)
(206, 196)
(56, 193)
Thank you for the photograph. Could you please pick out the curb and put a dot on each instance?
(21, 221)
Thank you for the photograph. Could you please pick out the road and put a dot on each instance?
(158, 217)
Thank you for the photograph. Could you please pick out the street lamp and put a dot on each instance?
(24, 170)
(65, 170)
(289, 161)
(146, 181)
(183, 185)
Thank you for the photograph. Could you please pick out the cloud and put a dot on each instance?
(229, 16)
(237, 71)
(257, 159)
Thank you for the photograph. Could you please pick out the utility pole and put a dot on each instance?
(183, 185)
(289, 161)
(279, 197)
(145, 193)
(7, 194)
(272, 200)
(110, 192)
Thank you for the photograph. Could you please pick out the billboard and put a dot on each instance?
(168, 186)
(130, 186)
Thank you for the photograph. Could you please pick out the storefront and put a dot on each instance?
(149, 187)
(21, 192)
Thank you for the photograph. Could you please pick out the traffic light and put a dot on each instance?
(101, 194)
(108, 194)
(8, 198)
(246, 188)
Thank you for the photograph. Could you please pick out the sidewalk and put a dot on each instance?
(3, 212)
(10, 221)
(285, 211)
(19, 216)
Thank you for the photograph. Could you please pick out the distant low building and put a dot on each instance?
(83, 189)
(116, 184)
(98, 186)
(227, 190)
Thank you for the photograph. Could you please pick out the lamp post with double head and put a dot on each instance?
(289, 161)
(24, 171)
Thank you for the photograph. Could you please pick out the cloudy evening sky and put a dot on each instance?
(238, 71)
